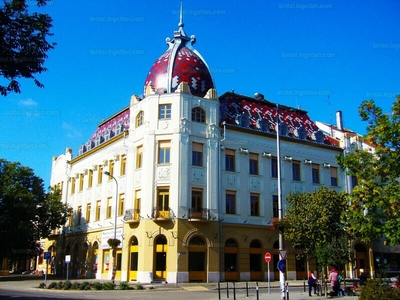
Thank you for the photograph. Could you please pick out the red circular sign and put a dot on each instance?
(267, 257)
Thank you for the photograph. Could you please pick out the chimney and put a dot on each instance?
(339, 120)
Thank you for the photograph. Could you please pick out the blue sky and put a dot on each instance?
(323, 56)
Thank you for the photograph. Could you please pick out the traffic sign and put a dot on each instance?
(67, 259)
(282, 265)
(283, 254)
(47, 255)
(267, 257)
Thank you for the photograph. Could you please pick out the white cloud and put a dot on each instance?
(71, 131)
(27, 102)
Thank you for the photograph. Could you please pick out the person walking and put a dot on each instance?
(312, 283)
(333, 278)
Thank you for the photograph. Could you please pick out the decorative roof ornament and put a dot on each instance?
(181, 62)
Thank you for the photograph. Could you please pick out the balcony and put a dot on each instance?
(162, 214)
(199, 214)
(132, 216)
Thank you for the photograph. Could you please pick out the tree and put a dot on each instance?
(313, 225)
(27, 212)
(374, 203)
(23, 43)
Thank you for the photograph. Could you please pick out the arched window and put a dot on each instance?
(198, 115)
(139, 118)
(119, 129)
(319, 136)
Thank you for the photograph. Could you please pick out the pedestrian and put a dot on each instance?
(333, 278)
(312, 283)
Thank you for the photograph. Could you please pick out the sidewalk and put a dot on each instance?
(296, 288)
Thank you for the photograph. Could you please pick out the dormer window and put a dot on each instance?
(319, 136)
(119, 129)
(108, 135)
(264, 125)
(99, 140)
(244, 121)
(82, 149)
(283, 129)
(302, 133)
(89, 145)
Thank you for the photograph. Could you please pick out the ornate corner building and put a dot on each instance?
(191, 188)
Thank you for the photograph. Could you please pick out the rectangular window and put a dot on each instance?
(90, 180)
(165, 111)
(230, 160)
(100, 175)
(111, 169)
(109, 207)
(139, 157)
(123, 165)
(296, 170)
(121, 203)
(274, 167)
(255, 204)
(98, 209)
(73, 185)
(253, 163)
(197, 200)
(197, 154)
(354, 181)
(275, 206)
(70, 218)
(81, 179)
(138, 196)
(88, 211)
(163, 200)
(315, 173)
(230, 202)
(334, 176)
(164, 152)
(79, 215)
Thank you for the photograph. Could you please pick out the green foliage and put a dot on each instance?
(124, 286)
(374, 290)
(24, 46)
(52, 285)
(60, 285)
(76, 286)
(98, 286)
(67, 285)
(374, 204)
(27, 212)
(113, 243)
(85, 286)
(313, 224)
(109, 285)
(42, 285)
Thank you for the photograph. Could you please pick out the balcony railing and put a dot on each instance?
(163, 213)
(198, 214)
(132, 215)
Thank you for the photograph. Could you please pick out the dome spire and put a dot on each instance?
(180, 32)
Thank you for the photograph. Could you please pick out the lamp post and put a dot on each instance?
(278, 157)
(115, 228)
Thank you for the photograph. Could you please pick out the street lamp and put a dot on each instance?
(115, 227)
(278, 157)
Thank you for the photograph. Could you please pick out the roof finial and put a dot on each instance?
(181, 18)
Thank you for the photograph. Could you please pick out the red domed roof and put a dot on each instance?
(181, 62)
